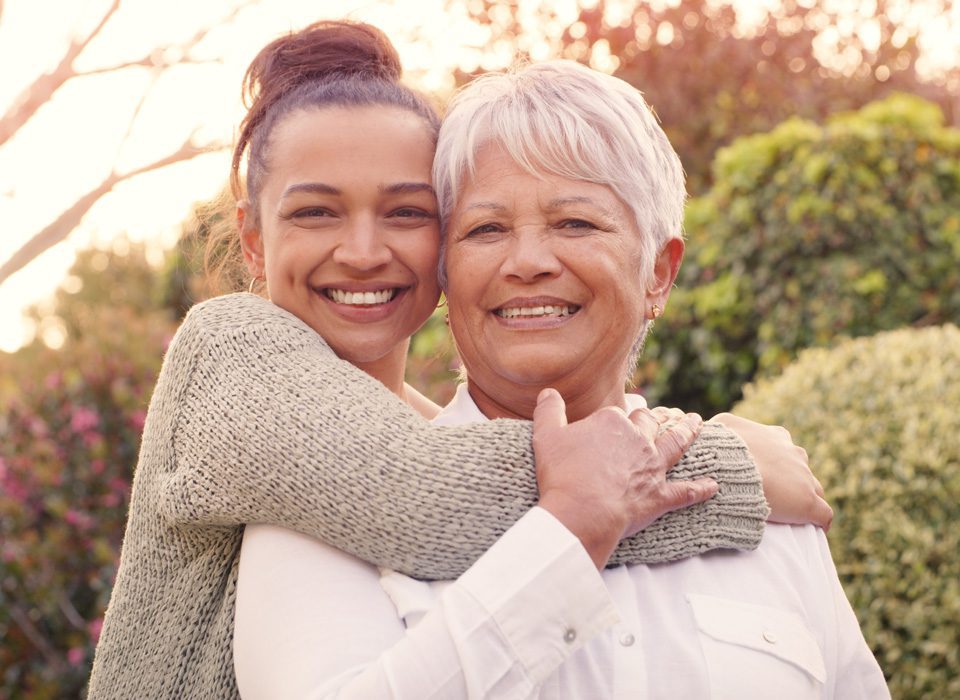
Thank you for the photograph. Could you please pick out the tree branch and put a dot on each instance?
(40, 643)
(147, 62)
(41, 90)
(64, 224)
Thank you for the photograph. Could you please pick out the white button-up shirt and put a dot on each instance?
(534, 618)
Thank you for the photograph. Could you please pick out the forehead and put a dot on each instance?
(497, 177)
(383, 141)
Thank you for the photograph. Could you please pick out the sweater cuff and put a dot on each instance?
(733, 519)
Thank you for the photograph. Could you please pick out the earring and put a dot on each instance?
(656, 311)
(253, 281)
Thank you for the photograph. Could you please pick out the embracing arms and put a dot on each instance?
(271, 427)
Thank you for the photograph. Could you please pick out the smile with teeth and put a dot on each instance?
(537, 311)
(341, 296)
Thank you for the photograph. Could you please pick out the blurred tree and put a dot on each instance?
(811, 233)
(157, 59)
(711, 78)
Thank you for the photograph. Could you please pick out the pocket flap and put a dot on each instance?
(777, 632)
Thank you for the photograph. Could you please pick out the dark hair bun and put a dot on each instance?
(321, 50)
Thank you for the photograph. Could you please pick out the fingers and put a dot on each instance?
(681, 494)
(666, 415)
(822, 514)
(677, 440)
(646, 422)
(818, 487)
(550, 412)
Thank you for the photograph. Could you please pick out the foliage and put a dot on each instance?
(811, 233)
(432, 363)
(70, 423)
(711, 80)
(879, 418)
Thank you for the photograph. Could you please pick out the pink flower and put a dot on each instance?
(94, 627)
(97, 466)
(52, 381)
(37, 427)
(137, 420)
(81, 521)
(75, 656)
(84, 419)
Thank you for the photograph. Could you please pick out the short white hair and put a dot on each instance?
(562, 118)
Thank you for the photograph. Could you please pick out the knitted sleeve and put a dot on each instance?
(271, 427)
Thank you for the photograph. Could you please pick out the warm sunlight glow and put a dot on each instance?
(120, 120)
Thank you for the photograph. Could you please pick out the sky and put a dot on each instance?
(120, 120)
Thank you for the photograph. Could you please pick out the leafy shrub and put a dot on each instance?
(879, 417)
(70, 423)
(811, 233)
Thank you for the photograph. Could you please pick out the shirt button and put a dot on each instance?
(769, 637)
(627, 640)
(570, 635)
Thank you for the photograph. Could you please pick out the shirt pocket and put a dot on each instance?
(754, 651)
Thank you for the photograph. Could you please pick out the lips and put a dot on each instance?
(558, 311)
(365, 298)
(536, 308)
(371, 296)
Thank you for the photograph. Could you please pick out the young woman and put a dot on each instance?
(290, 411)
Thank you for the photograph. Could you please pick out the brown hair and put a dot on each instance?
(327, 64)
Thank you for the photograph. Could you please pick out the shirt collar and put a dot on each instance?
(462, 408)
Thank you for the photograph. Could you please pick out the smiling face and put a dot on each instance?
(347, 236)
(545, 287)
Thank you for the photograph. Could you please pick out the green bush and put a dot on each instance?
(811, 233)
(880, 418)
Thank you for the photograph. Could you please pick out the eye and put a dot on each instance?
(410, 217)
(577, 224)
(310, 213)
(410, 213)
(483, 230)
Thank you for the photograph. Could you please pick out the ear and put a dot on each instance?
(664, 273)
(251, 242)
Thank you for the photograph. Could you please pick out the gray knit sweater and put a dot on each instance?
(254, 419)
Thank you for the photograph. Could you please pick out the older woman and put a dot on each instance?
(562, 202)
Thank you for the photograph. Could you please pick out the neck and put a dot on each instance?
(389, 369)
(518, 401)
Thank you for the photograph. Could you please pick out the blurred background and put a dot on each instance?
(821, 141)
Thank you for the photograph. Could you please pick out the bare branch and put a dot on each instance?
(30, 631)
(136, 112)
(64, 224)
(41, 90)
(149, 62)
(70, 612)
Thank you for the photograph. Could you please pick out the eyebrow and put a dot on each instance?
(323, 188)
(560, 202)
(492, 206)
(407, 188)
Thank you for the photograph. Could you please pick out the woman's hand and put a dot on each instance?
(792, 491)
(604, 477)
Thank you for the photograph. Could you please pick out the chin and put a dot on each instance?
(539, 371)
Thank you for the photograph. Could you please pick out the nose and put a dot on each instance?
(362, 246)
(529, 257)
